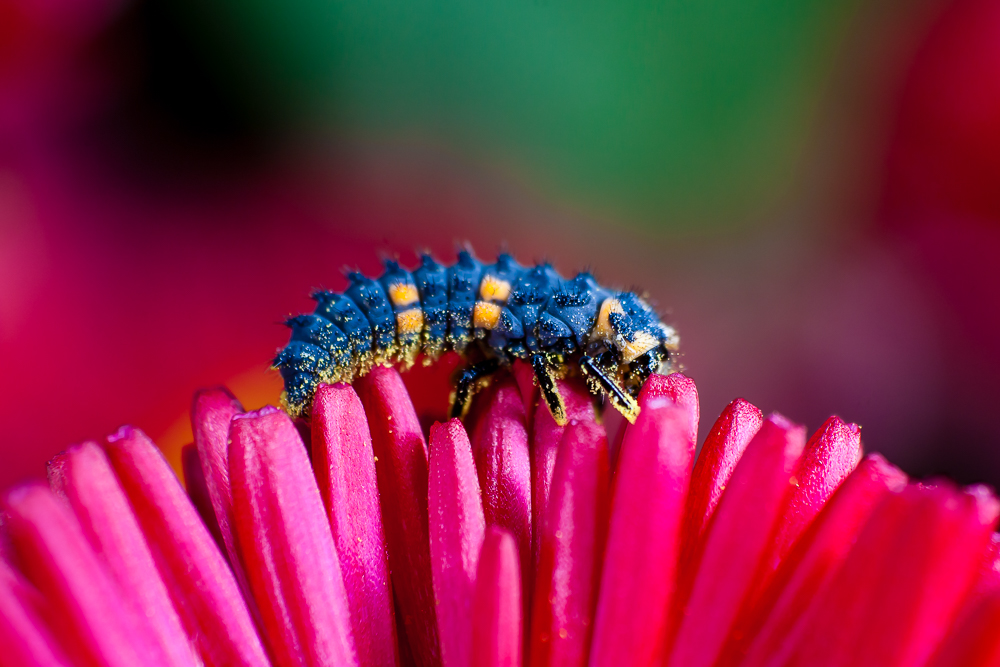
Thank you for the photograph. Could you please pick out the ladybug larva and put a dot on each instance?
(491, 315)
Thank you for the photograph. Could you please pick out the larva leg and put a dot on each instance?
(550, 391)
(620, 398)
(467, 382)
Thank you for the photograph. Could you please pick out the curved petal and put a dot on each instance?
(737, 540)
(88, 615)
(902, 583)
(643, 539)
(24, 635)
(725, 444)
(457, 528)
(503, 460)
(84, 477)
(573, 538)
(344, 464)
(546, 436)
(286, 542)
(401, 467)
(496, 608)
(200, 582)
(212, 410)
(811, 566)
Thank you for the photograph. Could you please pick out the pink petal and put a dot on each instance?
(212, 410)
(503, 460)
(545, 438)
(811, 565)
(197, 576)
(640, 563)
(737, 539)
(573, 538)
(24, 637)
(401, 466)
(88, 613)
(679, 389)
(524, 375)
(344, 464)
(989, 567)
(84, 477)
(496, 607)
(286, 542)
(830, 456)
(974, 641)
(430, 387)
(729, 437)
(676, 387)
(197, 490)
(901, 585)
(457, 527)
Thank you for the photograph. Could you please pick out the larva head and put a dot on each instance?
(627, 324)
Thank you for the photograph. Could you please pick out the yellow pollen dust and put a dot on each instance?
(402, 294)
(603, 329)
(409, 321)
(494, 289)
(486, 315)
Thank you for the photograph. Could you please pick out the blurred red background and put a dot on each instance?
(153, 234)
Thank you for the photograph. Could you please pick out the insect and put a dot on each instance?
(490, 314)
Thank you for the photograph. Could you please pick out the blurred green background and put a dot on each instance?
(676, 113)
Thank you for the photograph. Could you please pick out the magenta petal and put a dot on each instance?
(811, 565)
(286, 542)
(545, 438)
(900, 587)
(344, 464)
(573, 538)
(197, 490)
(87, 611)
(640, 563)
(197, 576)
(830, 456)
(679, 389)
(723, 448)
(989, 567)
(84, 477)
(676, 387)
(974, 640)
(496, 607)
(954, 527)
(524, 375)
(24, 637)
(401, 466)
(212, 410)
(457, 527)
(503, 460)
(737, 539)
(729, 437)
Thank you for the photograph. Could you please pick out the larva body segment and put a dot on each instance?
(492, 315)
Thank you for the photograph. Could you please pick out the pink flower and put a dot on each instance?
(507, 540)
